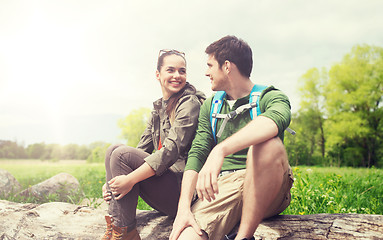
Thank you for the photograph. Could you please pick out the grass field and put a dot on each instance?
(315, 190)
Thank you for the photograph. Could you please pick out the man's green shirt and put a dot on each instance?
(273, 104)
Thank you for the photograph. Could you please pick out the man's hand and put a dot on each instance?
(183, 220)
(207, 185)
(120, 186)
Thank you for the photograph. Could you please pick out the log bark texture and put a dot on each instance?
(72, 222)
(322, 226)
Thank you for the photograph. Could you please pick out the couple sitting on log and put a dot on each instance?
(231, 143)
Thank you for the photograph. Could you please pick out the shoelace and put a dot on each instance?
(118, 236)
(108, 232)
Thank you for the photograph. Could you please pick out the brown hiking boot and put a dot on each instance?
(121, 233)
(109, 228)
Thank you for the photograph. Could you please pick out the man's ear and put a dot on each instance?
(227, 66)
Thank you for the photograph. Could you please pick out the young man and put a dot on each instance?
(242, 175)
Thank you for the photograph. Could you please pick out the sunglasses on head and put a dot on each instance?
(162, 51)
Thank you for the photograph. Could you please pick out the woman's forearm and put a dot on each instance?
(142, 173)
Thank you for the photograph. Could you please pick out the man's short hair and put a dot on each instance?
(234, 50)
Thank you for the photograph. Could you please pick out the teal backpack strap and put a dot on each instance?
(253, 105)
(216, 106)
(254, 100)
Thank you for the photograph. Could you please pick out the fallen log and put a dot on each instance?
(322, 226)
(59, 220)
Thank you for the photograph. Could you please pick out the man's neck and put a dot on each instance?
(239, 88)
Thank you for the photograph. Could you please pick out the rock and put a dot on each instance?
(55, 220)
(59, 220)
(8, 184)
(62, 185)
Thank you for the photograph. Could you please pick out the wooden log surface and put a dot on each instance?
(67, 221)
(317, 226)
(322, 226)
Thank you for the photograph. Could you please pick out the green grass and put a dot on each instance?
(336, 190)
(91, 177)
(315, 190)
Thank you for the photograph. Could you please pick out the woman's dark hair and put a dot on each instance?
(234, 50)
(173, 100)
(165, 53)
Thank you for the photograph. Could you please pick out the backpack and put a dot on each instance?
(253, 105)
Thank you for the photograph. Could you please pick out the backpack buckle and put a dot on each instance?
(232, 114)
(253, 104)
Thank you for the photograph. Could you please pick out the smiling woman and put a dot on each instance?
(171, 73)
(154, 169)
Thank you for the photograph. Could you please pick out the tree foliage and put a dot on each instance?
(354, 100)
(296, 146)
(309, 145)
(9, 149)
(98, 152)
(133, 125)
(42, 151)
(341, 110)
(340, 121)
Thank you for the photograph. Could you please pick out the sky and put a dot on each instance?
(69, 70)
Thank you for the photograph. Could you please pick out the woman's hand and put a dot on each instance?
(107, 195)
(121, 185)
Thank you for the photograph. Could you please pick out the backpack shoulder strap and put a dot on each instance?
(216, 106)
(254, 100)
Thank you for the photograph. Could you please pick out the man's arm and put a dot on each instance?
(185, 217)
(256, 131)
(197, 155)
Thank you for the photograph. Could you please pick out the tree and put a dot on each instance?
(83, 152)
(36, 150)
(308, 145)
(133, 125)
(354, 103)
(98, 152)
(312, 109)
(296, 145)
(9, 149)
(51, 152)
(56, 151)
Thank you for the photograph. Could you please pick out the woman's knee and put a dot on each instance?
(110, 150)
(118, 152)
(127, 156)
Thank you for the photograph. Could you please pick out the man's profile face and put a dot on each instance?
(216, 74)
